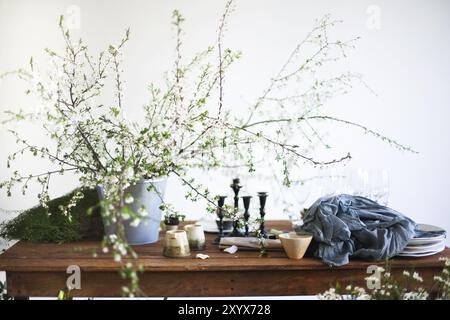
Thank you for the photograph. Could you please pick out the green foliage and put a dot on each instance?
(51, 225)
(64, 295)
(172, 218)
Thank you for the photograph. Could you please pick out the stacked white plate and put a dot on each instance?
(431, 241)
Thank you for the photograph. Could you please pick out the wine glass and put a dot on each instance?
(379, 186)
(298, 194)
(358, 183)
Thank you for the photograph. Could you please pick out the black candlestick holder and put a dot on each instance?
(236, 187)
(246, 200)
(262, 203)
(221, 215)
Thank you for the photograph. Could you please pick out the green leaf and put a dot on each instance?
(61, 295)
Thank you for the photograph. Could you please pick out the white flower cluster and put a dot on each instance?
(350, 293)
(443, 279)
(413, 295)
(391, 290)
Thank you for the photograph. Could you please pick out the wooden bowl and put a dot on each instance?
(295, 245)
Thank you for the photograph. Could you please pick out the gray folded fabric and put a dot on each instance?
(347, 226)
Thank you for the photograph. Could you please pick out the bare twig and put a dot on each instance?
(220, 35)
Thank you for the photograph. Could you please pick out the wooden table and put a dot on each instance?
(40, 270)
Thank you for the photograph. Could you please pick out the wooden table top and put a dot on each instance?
(31, 257)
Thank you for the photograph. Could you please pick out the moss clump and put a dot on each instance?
(36, 225)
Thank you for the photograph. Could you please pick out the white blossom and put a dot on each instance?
(135, 223)
(129, 199)
(417, 277)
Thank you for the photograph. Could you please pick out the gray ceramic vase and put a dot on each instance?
(147, 231)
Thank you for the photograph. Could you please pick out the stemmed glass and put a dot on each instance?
(379, 186)
(359, 182)
(373, 184)
(298, 194)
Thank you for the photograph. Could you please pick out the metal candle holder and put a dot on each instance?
(236, 187)
(246, 200)
(262, 203)
(221, 215)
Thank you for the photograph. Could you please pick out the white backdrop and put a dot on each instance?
(403, 54)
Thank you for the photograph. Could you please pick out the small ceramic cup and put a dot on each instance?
(295, 245)
(176, 244)
(196, 236)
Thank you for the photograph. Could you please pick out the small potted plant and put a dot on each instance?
(172, 220)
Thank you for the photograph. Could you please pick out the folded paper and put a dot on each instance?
(231, 250)
(250, 243)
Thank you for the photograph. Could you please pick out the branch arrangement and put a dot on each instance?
(188, 123)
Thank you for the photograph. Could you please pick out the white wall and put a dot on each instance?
(405, 61)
